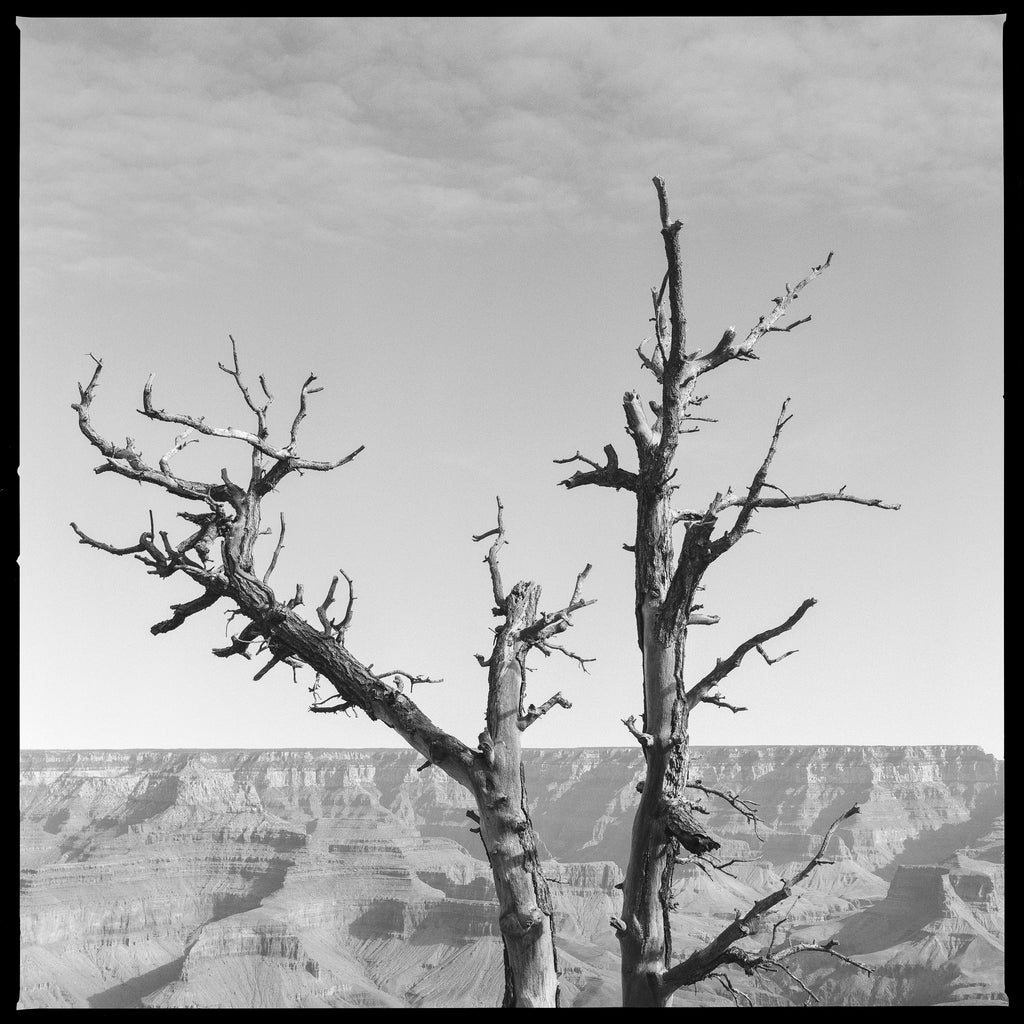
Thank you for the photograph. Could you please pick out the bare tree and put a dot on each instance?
(218, 557)
(666, 603)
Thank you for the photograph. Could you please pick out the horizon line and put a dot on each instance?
(589, 746)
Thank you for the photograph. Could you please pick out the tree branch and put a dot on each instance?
(636, 421)
(342, 627)
(724, 981)
(730, 537)
(747, 808)
(285, 458)
(136, 468)
(721, 702)
(345, 706)
(259, 410)
(733, 501)
(549, 624)
(729, 348)
(328, 624)
(608, 475)
(290, 639)
(699, 964)
(183, 611)
(697, 619)
(699, 691)
(548, 647)
(677, 313)
(533, 712)
(414, 680)
(772, 661)
(144, 544)
(674, 386)
(643, 738)
(277, 549)
(821, 947)
(240, 643)
(181, 442)
(199, 424)
(491, 558)
(795, 323)
(656, 363)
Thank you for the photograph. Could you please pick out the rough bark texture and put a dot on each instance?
(492, 772)
(526, 918)
(666, 588)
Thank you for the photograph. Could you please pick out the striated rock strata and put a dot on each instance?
(347, 878)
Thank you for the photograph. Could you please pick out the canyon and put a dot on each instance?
(315, 878)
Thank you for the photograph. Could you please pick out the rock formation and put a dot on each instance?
(347, 878)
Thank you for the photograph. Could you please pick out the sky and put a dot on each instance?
(452, 223)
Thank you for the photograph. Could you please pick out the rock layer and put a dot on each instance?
(348, 878)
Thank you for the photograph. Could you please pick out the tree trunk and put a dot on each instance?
(495, 775)
(525, 912)
(646, 942)
(526, 917)
(665, 606)
(496, 779)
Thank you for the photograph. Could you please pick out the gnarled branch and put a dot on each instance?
(136, 468)
(787, 501)
(321, 612)
(720, 951)
(188, 608)
(549, 624)
(199, 424)
(145, 544)
(730, 537)
(546, 647)
(290, 639)
(277, 551)
(259, 410)
(730, 348)
(721, 702)
(699, 691)
(240, 644)
(342, 627)
(491, 558)
(747, 808)
(414, 679)
(301, 414)
(771, 661)
(643, 738)
(533, 712)
(608, 475)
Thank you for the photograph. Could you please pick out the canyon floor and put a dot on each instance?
(315, 878)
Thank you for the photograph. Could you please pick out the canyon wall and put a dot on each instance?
(347, 878)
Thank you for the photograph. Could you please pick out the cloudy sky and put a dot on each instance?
(452, 223)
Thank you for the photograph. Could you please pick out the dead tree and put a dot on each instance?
(666, 603)
(219, 557)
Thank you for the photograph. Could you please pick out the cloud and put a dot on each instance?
(148, 141)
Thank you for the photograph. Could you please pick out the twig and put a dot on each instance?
(277, 551)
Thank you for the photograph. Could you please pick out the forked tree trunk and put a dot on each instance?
(645, 936)
(665, 606)
(492, 773)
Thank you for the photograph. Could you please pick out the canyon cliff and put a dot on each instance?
(186, 878)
